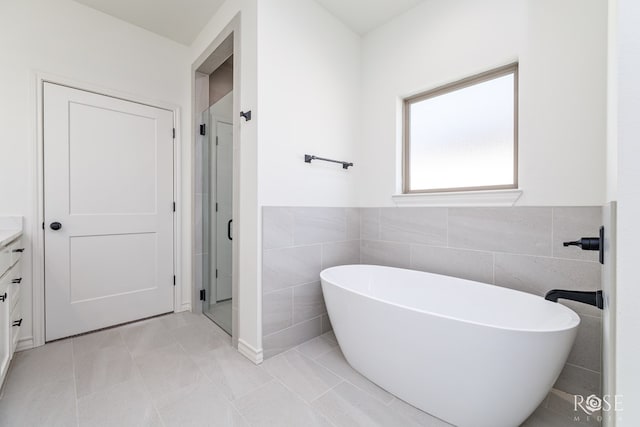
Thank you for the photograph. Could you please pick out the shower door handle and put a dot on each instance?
(229, 229)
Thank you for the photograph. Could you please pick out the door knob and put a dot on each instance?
(55, 226)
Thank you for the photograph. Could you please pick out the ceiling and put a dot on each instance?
(182, 20)
(179, 20)
(364, 15)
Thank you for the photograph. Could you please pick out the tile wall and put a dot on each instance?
(519, 248)
(297, 244)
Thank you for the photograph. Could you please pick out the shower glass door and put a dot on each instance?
(217, 215)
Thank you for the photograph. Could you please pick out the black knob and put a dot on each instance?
(17, 322)
(18, 280)
(55, 226)
(3, 297)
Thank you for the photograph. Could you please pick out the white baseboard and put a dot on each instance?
(255, 355)
(186, 306)
(24, 344)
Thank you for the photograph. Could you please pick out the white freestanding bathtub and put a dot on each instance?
(471, 354)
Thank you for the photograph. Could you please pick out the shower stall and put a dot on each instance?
(214, 171)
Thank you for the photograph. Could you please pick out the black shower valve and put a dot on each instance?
(590, 244)
(586, 243)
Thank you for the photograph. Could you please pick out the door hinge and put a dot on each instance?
(217, 140)
(203, 129)
(202, 295)
(174, 206)
(174, 280)
(216, 206)
(43, 225)
(216, 273)
(174, 133)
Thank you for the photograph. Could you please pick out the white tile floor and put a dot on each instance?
(180, 370)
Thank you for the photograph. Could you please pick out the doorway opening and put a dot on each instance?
(214, 185)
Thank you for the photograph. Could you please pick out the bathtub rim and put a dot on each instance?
(572, 314)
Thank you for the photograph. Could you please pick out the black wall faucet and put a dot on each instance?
(591, 298)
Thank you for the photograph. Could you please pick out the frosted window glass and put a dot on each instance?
(463, 138)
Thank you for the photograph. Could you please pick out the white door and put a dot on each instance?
(108, 183)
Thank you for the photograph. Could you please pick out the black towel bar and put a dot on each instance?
(309, 157)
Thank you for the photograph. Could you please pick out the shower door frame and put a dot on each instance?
(210, 227)
(252, 352)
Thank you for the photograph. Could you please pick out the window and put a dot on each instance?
(463, 136)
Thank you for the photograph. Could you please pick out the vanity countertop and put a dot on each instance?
(7, 236)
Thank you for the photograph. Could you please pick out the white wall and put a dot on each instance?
(309, 89)
(247, 230)
(64, 38)
(304, 99)
(625, 120)
(561, 48)
(612, 100)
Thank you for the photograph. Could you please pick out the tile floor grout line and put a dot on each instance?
(234, 400)
(105, 389)
(151, 399)
(327, 391)
(326, 336)
(144, 384)
(332, 371)
(235, 408)
(313, 361)
(75, 386)
(369, 394)
(240, 396)
(219, 390)
(359, 388)
(308, 404)
(312, 358)
(135, 366)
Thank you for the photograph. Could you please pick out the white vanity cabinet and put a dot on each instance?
(11, 250)
(5, 329)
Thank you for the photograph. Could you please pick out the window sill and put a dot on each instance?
(462, 198)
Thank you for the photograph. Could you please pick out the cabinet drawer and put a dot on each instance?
(13, 294)
(4, 289)
(16, 249)
(16, 324)
(15, 284)
(6, 339)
